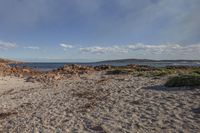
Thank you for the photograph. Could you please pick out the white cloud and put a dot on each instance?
(101, 50)
(32, 47)
(7, 45)
(154, 48)
(167, 48)
(95, 49)
(161, 49)
(66, 46)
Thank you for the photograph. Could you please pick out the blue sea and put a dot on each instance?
(50, 66)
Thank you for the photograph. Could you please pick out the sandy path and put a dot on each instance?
(100, 103)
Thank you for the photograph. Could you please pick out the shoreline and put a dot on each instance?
(46, 66)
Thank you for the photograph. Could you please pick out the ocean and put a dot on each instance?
(44, 66)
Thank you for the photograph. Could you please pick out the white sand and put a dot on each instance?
(98, 103)
(12, 86)
(13, 83)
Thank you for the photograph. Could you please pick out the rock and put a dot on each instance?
(25, 70)
(73, 69)
(3, 65)
(57, 77)
(31, 79)
(20, 76)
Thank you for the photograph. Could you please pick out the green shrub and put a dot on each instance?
(196, 71)
(184, 80)
(118, 71)
(141, 74)
(159, 73)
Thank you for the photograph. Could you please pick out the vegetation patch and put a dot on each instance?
(184, 80)
(146, 71)
(118, 71)
(196, 72)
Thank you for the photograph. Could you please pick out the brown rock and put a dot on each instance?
(26, 70)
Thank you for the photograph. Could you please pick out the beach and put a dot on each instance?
(99, 66)
(98, 102)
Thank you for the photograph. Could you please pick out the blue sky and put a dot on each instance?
(90, 30)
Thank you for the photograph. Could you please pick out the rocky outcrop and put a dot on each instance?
(6, 70)
(60, 73)
(74, 69)
(3, 65)
(6, 61)
(32, 75)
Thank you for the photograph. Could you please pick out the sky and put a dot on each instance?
(93, 30)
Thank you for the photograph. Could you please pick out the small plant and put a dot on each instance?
(184, 80)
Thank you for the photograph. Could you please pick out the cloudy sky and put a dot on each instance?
(89, 30)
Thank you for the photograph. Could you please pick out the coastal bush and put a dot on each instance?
(118, 71)
(159, 73)
(184, 80)
(196, 71)
(141, 74)
(154, 73)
